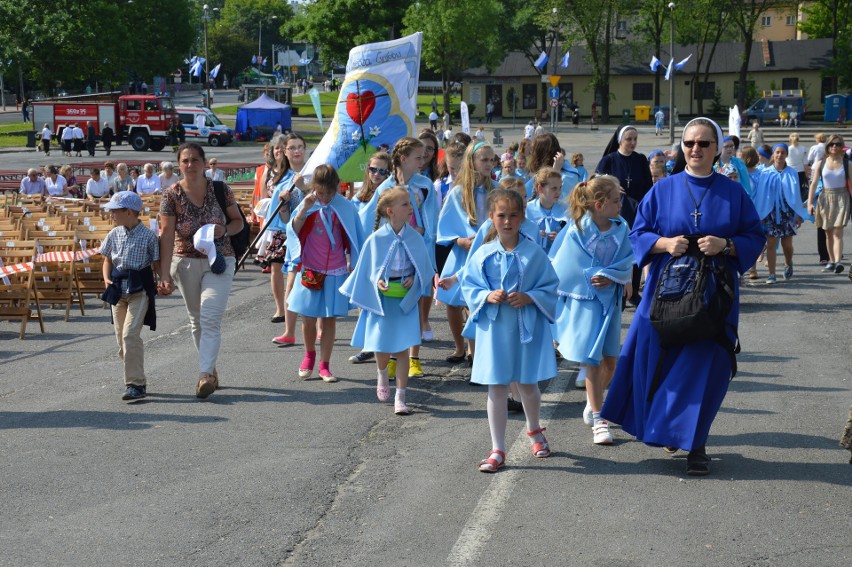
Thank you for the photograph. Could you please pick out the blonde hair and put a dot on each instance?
(586, 193)
(456, 151)
(403, 147)
(576, 157)
(386, 200)
(495, 197)
(468, 181)
(367, 189)
(545, 174)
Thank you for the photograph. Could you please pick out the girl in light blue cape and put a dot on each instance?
(510, 287)
(465, 209)
(728, 161)
(778, 201)
(392, 274)
(326, 237)
(376, 172)
(546, 152)
(406, 162)
(546, 211)
(594, 262)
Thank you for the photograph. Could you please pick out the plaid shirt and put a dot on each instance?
(131, 249)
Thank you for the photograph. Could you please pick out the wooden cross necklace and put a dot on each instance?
(696, 215)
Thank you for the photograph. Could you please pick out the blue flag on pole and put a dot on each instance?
(655, 63)
(682, 63)
(565, 59)
(215, 70)
(669, 69)
(541, 61)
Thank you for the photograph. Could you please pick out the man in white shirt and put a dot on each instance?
(45, 140)
(32, 184)
(529, 131)
(148, 183)
(539, 129)
(200, 121)
(97, 186)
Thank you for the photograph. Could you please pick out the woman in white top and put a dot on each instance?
(214, 173)
(148, 183)
(167, 177)
(97, 186)
(796, 160)
(832, 207)
(57, 185)
(45, 140)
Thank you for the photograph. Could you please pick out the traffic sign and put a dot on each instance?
(554, 102)
(554, 80)
(553, 92)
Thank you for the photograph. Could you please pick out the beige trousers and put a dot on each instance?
(128, 315)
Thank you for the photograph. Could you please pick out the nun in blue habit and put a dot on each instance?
(694, 377)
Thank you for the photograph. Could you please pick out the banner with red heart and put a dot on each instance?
(360, 107)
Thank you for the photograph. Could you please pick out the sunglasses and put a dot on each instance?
(379, 170)
(835, 144)
(701, 143)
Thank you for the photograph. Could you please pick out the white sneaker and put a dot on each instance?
(601, 434)
(588, 419)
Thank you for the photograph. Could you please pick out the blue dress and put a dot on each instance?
(512, 345)
(570, 177)
(696, 375)
(588, 319)
(547, 221)
(388, 324)
(778, 201)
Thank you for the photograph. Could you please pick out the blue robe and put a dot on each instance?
(695, 376)
(426, 214)
(286, 182)
(552, 220)
(633, 172)
(388, 324)
(588, 318)
(453, 224)
(774, 188)
(584, 174)
(512, 345)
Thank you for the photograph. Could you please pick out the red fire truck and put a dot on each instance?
(141, 120)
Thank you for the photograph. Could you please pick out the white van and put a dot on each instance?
(211, 129)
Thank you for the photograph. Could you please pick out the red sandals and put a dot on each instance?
(492, 465)
(540, 449)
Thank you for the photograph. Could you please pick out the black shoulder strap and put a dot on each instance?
(219, 191)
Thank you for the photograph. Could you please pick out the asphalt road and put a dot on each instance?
(272, 470)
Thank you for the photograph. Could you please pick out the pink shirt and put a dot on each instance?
(317, 253)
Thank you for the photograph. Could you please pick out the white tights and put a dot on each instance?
(498, 411)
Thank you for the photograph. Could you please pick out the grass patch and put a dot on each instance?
(13, 141)
(15, 127)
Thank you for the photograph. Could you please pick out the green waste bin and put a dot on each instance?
(31, 139)
(625, 116)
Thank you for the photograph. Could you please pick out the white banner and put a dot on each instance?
(376, 106)
(465, 118)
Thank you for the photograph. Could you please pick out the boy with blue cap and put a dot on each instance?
(130, 250)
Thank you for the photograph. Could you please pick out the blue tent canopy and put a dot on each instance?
(263, 115)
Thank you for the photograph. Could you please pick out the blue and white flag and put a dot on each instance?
(669, 69)
(375, 108)
(195, 70)
(565, 59)
(215, 71)
(254, 59)
(263, 64)
(541, 61)
(655, 63)
(682, 63)
(305, 61)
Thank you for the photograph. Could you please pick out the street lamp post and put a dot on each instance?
(554, 113)
(206, 56)
(671, 76)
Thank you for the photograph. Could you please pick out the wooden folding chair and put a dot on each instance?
(54, 275)
(16, 289)
(88, 272)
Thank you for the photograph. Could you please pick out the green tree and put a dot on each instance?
(336, 26)
(745, 15)
(457, 35)
(530, 28)
(650, 23)
(833, 19)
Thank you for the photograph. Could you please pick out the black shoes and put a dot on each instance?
(134, 393)
(515, 406)
(697, 462)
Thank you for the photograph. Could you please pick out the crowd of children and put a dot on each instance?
(517, 247)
